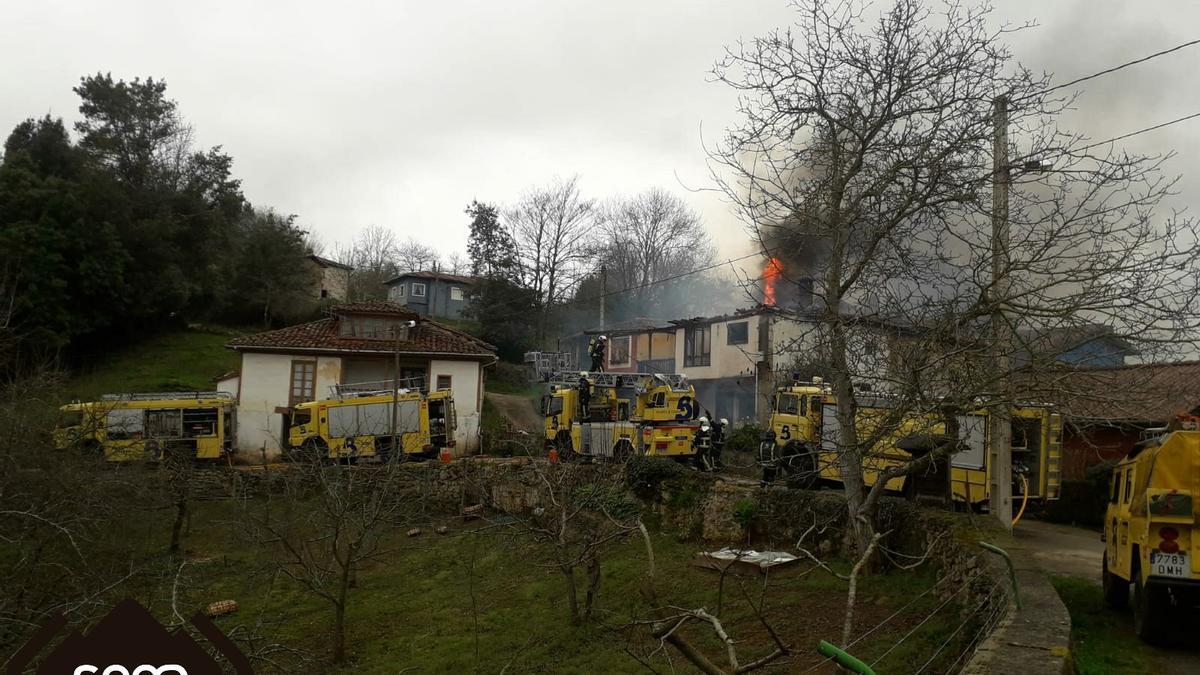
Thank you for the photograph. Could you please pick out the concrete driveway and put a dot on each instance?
(1062, 550)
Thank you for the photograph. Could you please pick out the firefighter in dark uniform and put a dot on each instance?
(585, 398)
(597, 354)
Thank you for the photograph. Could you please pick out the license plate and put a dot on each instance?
(1169, 564)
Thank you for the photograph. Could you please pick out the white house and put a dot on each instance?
(359, 342)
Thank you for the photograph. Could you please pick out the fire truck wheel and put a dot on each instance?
(800, 467)
(312, 450)
(1116, 589)
(1148, 610)
(562, 443)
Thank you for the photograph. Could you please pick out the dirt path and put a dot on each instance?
(1072, 551)
(517, 409)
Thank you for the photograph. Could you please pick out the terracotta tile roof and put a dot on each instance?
(428, 337)
(375, 307)
(1133, 393)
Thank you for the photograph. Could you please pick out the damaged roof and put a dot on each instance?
(457, 278)
(426, 338)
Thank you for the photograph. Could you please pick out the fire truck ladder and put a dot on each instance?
(641, 381)
(167, 395)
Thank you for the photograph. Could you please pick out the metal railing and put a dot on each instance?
(546, 364)
(642, 381)
(378, 387)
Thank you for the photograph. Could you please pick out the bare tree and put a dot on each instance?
(863, 163)
(457, 263)
(374, 254)
(329, 522)
(413, 256)
(578, 513)
(648, 239)
(551, 226)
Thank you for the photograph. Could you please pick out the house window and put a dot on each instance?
(399, 290)
(443, 382)
(418, 290)
(304, 382)
(618, 351)
(324, 293)
(697, 346)
(456, 293)
(739, 333)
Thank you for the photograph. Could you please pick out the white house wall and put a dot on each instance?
(265, 385)
(725, 360)
(467, 387)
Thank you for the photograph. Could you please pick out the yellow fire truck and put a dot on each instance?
(148, 427)
(1150, 531)
(801, 443)
(626, 414)
(359, 424)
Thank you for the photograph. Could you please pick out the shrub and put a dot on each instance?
(744, 438)
(1083, 502)
(645, 475)
(744, 513)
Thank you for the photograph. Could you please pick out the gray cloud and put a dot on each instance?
(399, 113)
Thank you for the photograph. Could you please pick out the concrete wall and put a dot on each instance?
(264, 387)
(335, 282)
(725, 360)
(467, 385)
(230, 384)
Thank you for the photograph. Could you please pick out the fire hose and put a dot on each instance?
(1024, 498)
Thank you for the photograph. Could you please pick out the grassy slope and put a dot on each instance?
(187, 360)
(1104, 640)
(413, 608)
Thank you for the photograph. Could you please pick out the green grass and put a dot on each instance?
(413, 607)
(181, 361)
(1104, 641)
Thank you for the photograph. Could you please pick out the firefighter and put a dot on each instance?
(720, 428)
(597, 354)
(703, 443)
(585, 397)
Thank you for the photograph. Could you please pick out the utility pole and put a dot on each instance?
(392, 452)
(1000, 492)
(603, 292)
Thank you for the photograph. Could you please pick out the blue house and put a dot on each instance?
(435, 294)
(1089, 344)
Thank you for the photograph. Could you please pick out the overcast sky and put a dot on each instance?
(399, 113)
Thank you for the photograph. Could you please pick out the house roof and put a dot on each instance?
(1132, 393)
(375, 307)
(426, 338)
(456, 278)
(326, 262)
(632, 326)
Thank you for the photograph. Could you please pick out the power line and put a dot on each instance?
(1134, 133)
(1110, 70)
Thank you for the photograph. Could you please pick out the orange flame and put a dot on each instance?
(771, 275)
